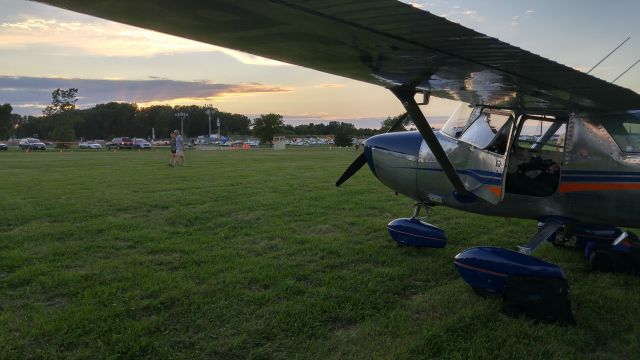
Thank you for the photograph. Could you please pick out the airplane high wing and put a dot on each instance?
(382, 42)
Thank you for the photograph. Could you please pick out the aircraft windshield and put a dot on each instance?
(625, 131)
(486, 127)
(483, 128)
(459, 119)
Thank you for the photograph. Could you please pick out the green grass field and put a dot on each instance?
(256, 254)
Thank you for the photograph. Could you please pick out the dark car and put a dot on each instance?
(120, 143)
(3, 147)
(31, 144)
(141, 144)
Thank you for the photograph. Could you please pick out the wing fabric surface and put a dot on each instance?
(382, 42)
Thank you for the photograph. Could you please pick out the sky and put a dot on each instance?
(44, 48)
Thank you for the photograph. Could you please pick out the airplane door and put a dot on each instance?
(487, 140)
(485, 175)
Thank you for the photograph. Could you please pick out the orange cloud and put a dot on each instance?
(99, 37)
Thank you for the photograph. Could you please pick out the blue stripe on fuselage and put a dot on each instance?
(482, 176)
(599, 176)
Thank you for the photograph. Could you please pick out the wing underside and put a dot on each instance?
(383, 42)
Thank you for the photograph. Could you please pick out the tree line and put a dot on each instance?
(61, 121)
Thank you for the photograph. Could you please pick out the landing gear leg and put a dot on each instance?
(416, 210)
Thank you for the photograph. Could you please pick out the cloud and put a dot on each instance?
(105, 38)
(329, 86)
(29, 94)
(515, 20)
(460, 15)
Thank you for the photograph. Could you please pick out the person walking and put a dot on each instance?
(172, 158)
(179, 148)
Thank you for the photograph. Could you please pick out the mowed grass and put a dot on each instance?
(255, 254)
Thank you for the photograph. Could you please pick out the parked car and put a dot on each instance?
(141, 144)
(31, 144)
(90, 145)
(94, 145)
(120, 143)
(3, 147)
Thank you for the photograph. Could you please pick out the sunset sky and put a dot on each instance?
(44, 48)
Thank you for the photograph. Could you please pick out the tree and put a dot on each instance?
(28, 126)
(388, 123)
(105, 121)
(344, 134)
(6, 122)
(61, 101)
(60, 114)
(266, 126)
(63, 128)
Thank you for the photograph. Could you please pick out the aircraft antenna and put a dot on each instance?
(630, 67)
(605, 58)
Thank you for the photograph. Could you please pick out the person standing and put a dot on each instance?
(179, 148)
(172, 159)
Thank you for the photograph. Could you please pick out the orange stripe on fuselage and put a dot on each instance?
(580, 186)
(497, 190)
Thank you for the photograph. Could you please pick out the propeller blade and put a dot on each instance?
(398, 123)
(359, 162)
(352, 169)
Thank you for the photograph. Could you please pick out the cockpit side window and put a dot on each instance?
(542, 134)
(625, 131)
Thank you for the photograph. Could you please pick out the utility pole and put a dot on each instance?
(210, 111)
(182, 116)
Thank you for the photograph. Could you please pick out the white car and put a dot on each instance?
(141, 144)
(90, 145)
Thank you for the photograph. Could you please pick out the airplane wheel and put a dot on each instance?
(601, 261)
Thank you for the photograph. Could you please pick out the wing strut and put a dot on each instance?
(406, 96)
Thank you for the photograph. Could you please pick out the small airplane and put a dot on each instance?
(534, 139)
